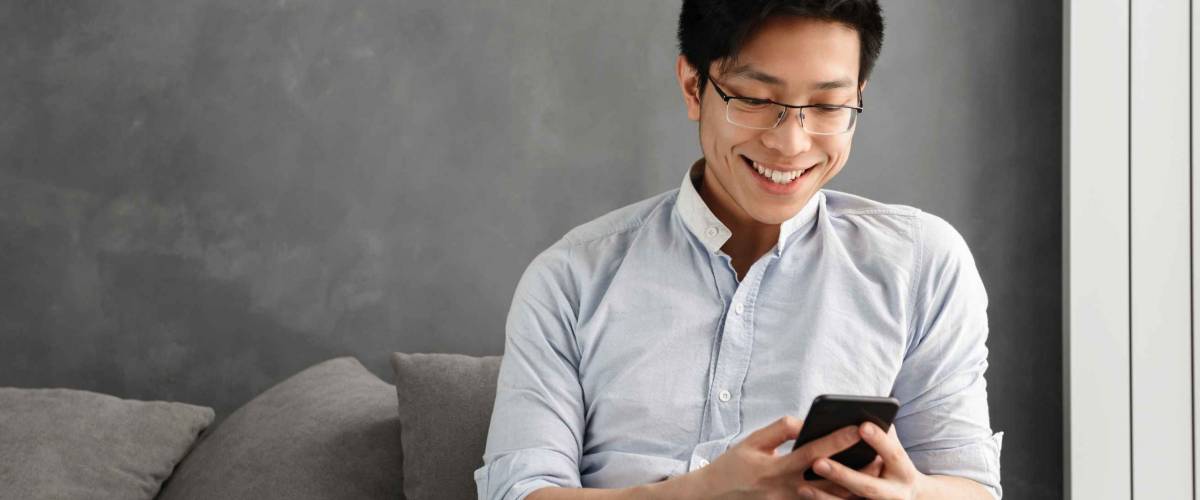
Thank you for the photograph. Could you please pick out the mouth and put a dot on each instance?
(778, 178)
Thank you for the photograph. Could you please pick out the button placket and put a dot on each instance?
(719, 412)
(736, 361)
(734, 348)
(733, 355)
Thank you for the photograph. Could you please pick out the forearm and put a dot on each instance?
(676, 487)
(553, 493)
(951, 487)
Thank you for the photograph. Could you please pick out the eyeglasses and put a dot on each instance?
(765, 114)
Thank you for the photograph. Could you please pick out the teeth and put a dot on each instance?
(777, 176)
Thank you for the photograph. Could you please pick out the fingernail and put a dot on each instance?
(821, 467)
(868, 429)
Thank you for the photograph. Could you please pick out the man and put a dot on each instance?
(695, 326)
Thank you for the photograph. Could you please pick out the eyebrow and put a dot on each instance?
(746, 71)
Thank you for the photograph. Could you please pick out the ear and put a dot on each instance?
(689, 84)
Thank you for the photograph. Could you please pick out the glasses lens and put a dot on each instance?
(753, 113)
(828, 120)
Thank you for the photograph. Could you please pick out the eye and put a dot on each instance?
(752, 104)
(827, 111)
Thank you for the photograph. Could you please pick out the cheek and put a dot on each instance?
(719, 138)
(837, 150)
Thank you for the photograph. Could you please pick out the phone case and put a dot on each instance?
(830, 412)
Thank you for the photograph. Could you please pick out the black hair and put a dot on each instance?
(714, 30)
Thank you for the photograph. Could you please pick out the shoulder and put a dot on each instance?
(600, 239)
(927, 234)
(621, 220)
(843, 204)
(929, 250)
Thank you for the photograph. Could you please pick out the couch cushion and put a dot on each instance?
(330, 431)
(64, 443)
(445, 407)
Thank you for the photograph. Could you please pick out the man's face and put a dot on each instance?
(793, 60)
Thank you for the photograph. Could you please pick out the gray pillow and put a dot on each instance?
(329, 431)
(445, 408)
(65, 443)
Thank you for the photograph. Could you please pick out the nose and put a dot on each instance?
(789, 138)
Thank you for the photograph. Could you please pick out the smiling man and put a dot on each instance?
(666, 349)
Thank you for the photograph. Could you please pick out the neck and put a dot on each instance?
(751, 239)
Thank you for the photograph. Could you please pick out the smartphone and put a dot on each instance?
(830, 412)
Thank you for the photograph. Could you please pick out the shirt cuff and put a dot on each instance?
(515, 475)
(978, 461)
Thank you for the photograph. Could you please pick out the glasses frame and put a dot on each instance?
(726, 97)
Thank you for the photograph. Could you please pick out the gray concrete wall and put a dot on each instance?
(201, 197)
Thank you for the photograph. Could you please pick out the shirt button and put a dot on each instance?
(738, 308)
(712, 231)
(724, 395)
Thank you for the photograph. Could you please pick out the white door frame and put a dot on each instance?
(1127, 212)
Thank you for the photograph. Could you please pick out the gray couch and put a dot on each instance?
(331, 431)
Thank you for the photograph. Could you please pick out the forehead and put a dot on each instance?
(798, 52)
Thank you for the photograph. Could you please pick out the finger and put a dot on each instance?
(888, 446)
(831, 488)
(811, 492)
(858, 483)
(775, 433)
(875, 468)
(826, 446)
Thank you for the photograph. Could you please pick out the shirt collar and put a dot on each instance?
(702, 223)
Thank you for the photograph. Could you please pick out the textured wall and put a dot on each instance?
(200, 197)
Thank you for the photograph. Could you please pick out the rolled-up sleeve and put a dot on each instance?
(943, 421)
(536, 431)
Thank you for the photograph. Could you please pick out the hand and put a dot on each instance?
(900, 479)
(751, 469)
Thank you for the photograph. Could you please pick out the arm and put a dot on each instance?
(943, 419)
(750, 469)
(948, 448)
(676, 487)
(537, 424)
(538, 421)
(900, 480)
(954, 487)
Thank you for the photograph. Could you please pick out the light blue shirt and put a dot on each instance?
(633, 353)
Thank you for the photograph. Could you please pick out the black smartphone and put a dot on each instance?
(830, 412)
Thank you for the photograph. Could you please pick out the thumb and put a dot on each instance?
(771, 436)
